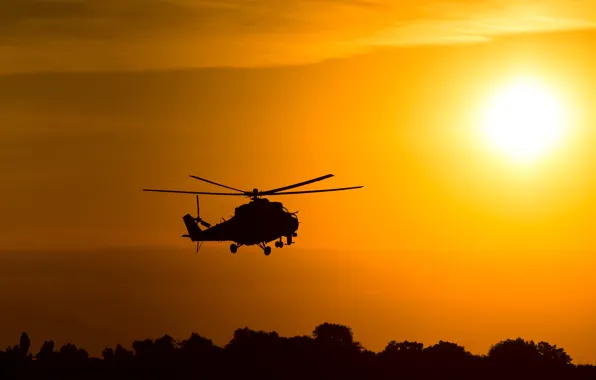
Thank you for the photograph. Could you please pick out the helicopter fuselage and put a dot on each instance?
(256, 223)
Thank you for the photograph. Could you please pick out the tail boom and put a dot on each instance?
(194, 231)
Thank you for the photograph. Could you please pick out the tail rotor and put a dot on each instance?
(198, 218)
(194, 231)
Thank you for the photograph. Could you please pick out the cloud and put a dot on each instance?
(23, 10)
(148, 34)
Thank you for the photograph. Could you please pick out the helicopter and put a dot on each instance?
(258, 222)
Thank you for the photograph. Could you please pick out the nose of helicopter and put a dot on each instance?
(294, 223)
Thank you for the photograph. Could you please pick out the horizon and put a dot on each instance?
(86, 330)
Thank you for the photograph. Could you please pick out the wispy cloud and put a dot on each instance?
(135, 34)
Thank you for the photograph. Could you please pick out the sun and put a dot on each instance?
(524, 121)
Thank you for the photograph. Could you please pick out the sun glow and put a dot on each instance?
(524, 121)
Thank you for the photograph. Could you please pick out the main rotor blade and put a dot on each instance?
(192, 192)
(271, 192)
(316, 191)
(216, 184)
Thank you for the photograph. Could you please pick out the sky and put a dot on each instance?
(447, 239)
(37, 35)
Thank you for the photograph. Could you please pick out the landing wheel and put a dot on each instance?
(267, 251)
(233, 248)
(279, 244)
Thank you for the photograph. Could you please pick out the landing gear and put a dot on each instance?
(233, 248)
(266, 249)
(279, 244)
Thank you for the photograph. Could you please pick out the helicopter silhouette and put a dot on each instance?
(258, 222)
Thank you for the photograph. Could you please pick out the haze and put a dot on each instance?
(445, 241)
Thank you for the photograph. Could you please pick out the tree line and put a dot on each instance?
(329, 353)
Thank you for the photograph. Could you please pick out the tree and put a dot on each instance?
(120, 357)
(46, 352)
(402, 355)
(24, 344)
(143, 348)
(69, 350)
(107, 354)
(337, 354)
(448, 355)
(402, 347)
(166, 345)
(334, 336)
(515, 354)
(552, 355)
(251, 344)
(197, 346)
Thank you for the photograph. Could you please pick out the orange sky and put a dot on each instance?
(445, 241)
